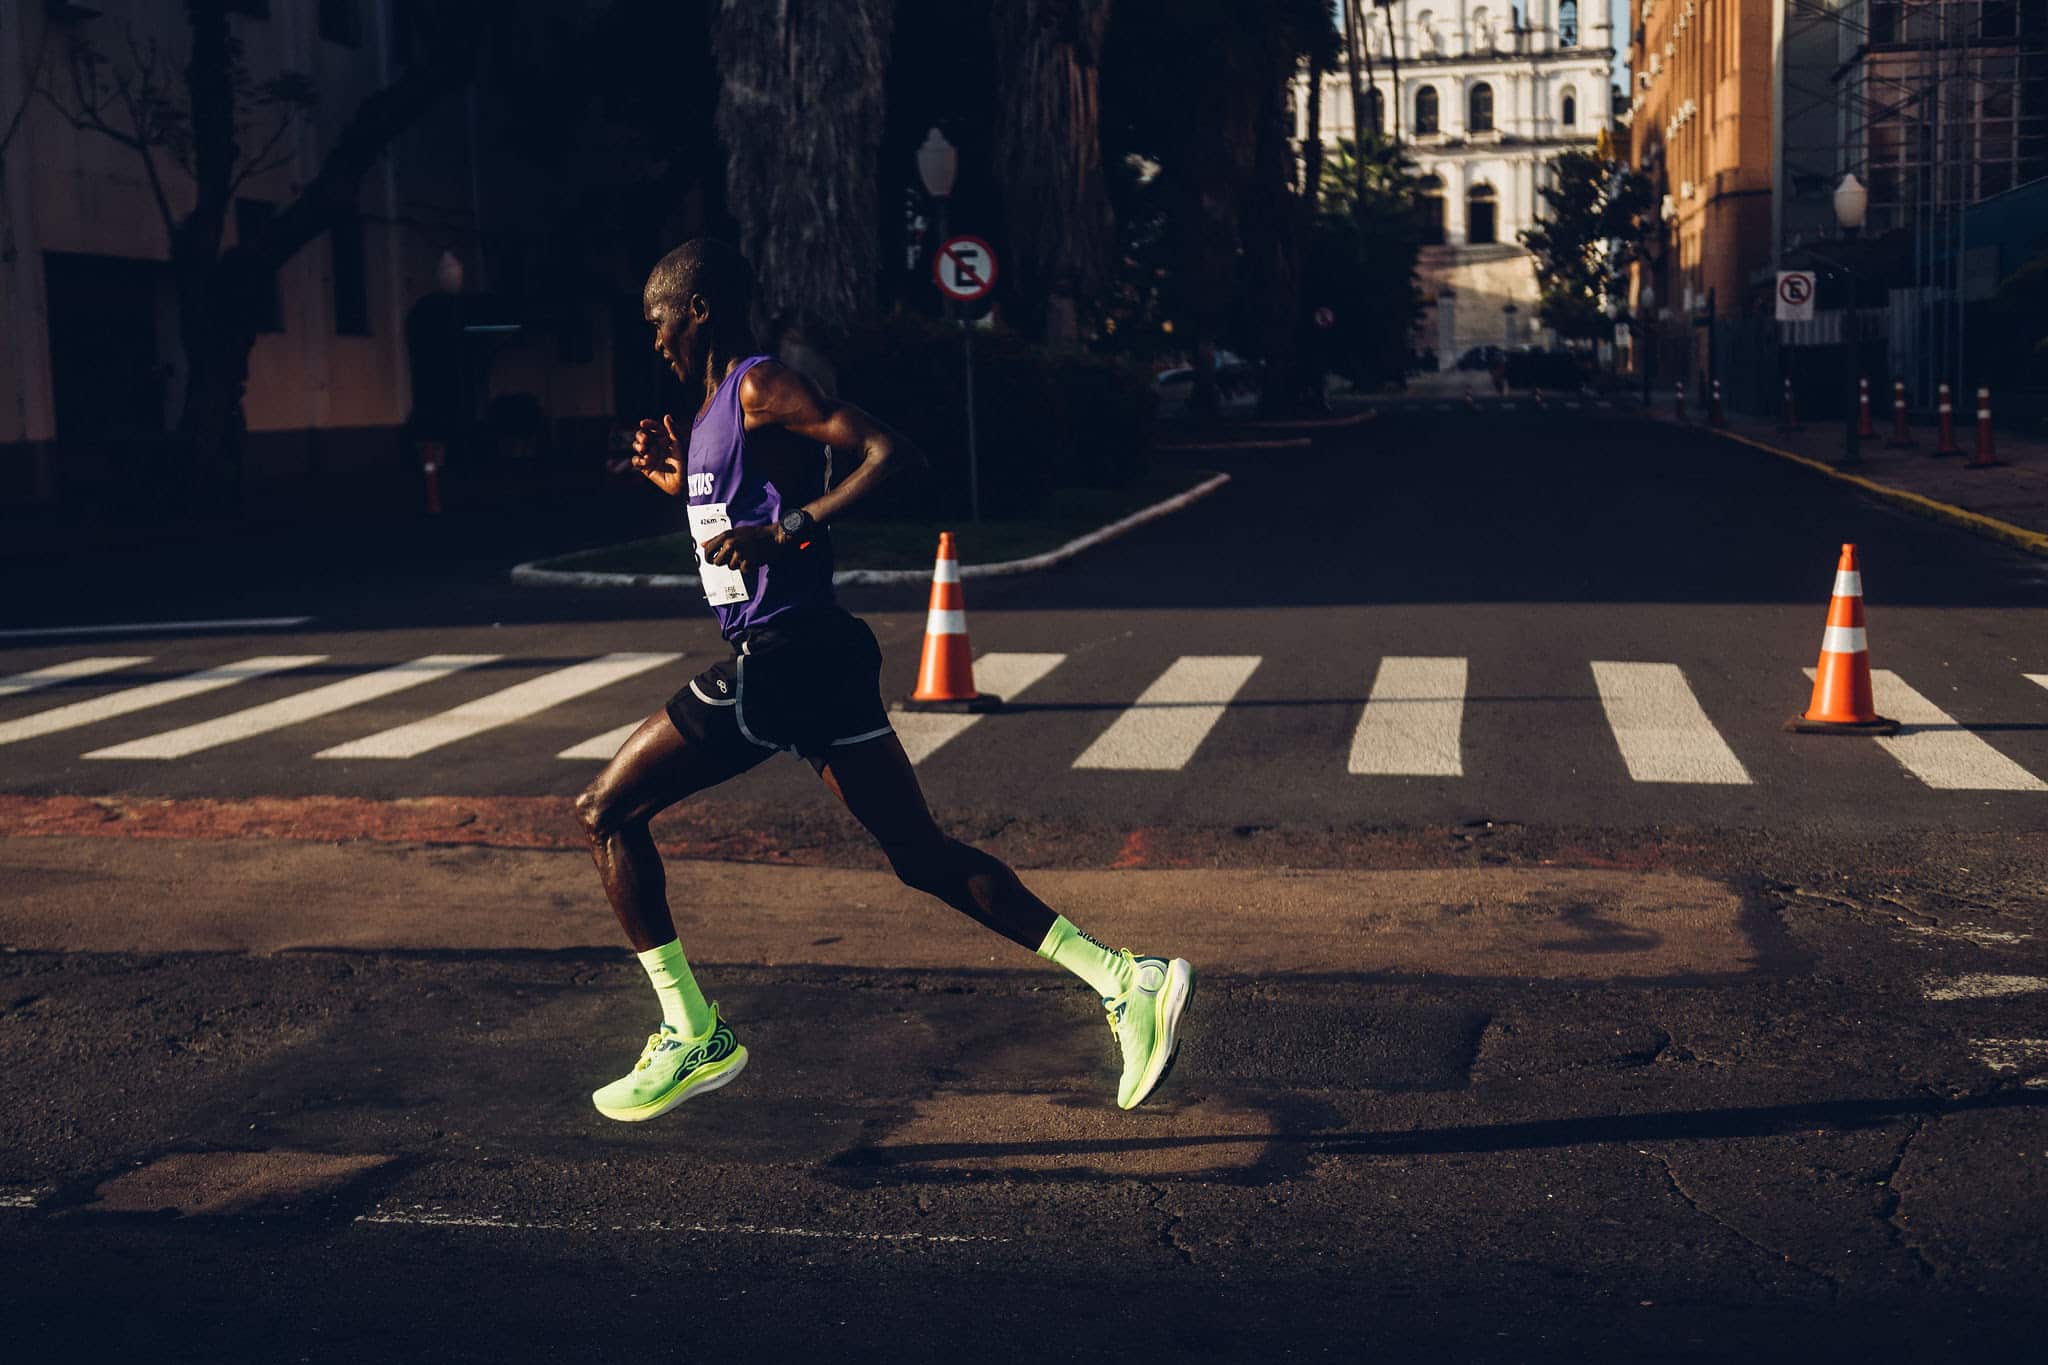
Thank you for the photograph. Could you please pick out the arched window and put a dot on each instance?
(1569, 116)
(1425, 110)
(1431, 188)
(1375, 110)
(1481, 110)
(1568, 23)
(1482, 220)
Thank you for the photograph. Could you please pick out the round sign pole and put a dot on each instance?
(965, 269)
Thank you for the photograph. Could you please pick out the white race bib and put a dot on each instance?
(722, 586)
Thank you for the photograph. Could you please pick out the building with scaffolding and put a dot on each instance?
(1940, 109)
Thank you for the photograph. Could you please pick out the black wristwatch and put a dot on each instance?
(798, 523)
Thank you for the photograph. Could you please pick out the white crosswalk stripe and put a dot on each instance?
(150, 694)
(500, 708)
(924, 733)
(292, 710)
(66, 672)
(2040, 679)
(1663, 733)
(1162, 729)
(1412, 720)
(603, 747)
(1937, 750)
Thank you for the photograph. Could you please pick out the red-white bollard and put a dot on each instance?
(1863, 426)
(1987, 455)
(1715, 417)
(1678, 400)
(1902, 435)
(1948, 444)
(430, 468)
(1788, 415)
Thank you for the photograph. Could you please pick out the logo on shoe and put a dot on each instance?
(1151, 977)
(716, 1048)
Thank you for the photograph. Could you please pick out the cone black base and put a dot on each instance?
(986, 701)
(1800, 725)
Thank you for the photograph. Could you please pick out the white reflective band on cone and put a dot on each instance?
(1848, 583)
(1844, 640)
(946, 623)
(946, 571)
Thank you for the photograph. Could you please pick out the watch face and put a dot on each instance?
(793, 522)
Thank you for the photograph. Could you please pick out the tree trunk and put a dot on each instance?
(800, 108)
(1049, 154)
(1394, 70)
(1312, 144)
(1273, 244)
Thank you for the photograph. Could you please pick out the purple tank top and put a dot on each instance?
(723, 491)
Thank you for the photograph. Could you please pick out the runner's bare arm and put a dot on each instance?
(773, 395)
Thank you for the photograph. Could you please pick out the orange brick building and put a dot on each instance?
(1701, 129)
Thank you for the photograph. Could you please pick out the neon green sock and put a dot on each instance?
(1108, 973)
(683, 1007)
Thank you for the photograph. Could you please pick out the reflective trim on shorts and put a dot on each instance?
(862, 739)
(739, 708)
(710, 701)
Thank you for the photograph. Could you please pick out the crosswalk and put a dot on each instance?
(1412, 724)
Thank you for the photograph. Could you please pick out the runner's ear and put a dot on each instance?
(668, 424)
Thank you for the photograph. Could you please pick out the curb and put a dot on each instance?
(2032, 542)
(531, 575)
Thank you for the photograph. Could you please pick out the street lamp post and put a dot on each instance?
(1852, 201)
(1646, 334)
(937, 165)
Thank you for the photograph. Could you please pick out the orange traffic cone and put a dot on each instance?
(945, 675)
(1842, 703)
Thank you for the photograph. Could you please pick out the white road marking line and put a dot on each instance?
(304, 706)
(77, 668)
(1983, 986)
(2040, 678)
(1162, 729)
(1663, 734)
(503, 707)
(603, 747)
(150, 694)
(158, 627)
(1946, 759)
(427, 1218)
(1967, 933)
(1411, 725)
(924, 733)
(20, 1200)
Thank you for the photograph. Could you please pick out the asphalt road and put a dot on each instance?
(1586, 1049)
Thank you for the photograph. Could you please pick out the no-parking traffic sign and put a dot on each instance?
(1795, 296)
(965, 268)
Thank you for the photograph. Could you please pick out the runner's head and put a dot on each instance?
(699, 294)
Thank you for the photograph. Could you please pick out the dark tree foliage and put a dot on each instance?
(1361, 258)
(1195, 134)
(1596, 221)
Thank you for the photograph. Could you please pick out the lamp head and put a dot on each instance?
(1852, 202)
(937, 163)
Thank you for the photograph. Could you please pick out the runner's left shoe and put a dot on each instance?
(671, 1069)
(1146, 1021)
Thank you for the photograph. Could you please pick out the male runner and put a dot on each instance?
(804, 677)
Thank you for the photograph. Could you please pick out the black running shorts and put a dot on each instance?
(808, 684)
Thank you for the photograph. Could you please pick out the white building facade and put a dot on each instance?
(1488, 92)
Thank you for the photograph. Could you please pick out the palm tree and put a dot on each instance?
(800, 106)
(1048, 149)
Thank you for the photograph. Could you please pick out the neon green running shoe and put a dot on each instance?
(671, 1069)
(1146, 1021)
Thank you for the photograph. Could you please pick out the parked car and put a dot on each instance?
(1480, 358)
(1554, 369)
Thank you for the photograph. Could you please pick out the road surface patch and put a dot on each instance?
(1523, 924)
(2015, 1055)
(203, 1183)
(435, 1218)
(981, 1132)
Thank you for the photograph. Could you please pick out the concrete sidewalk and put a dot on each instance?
(2007, 501)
